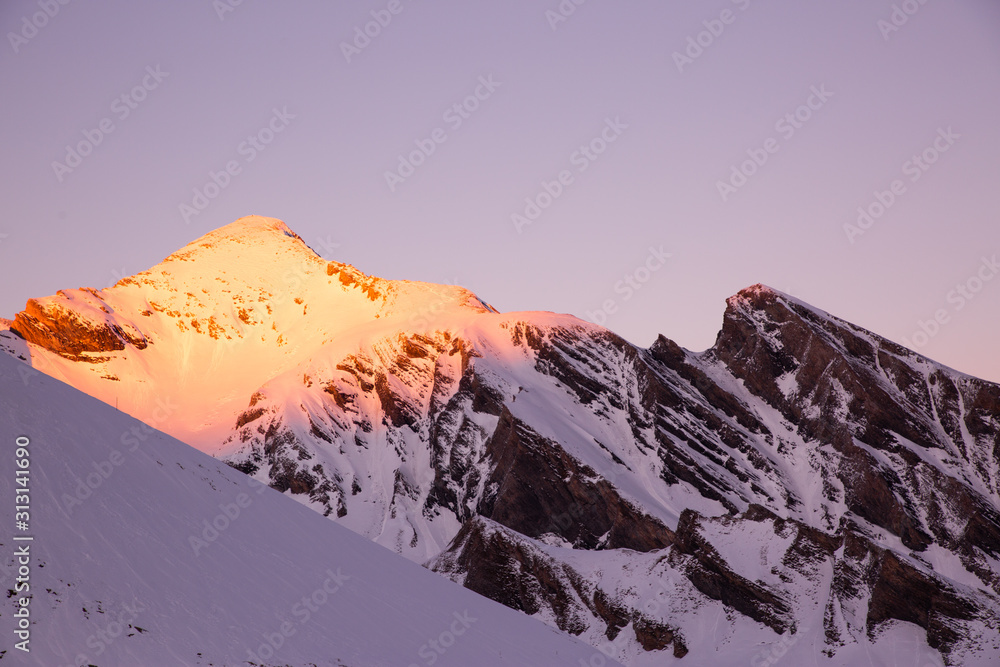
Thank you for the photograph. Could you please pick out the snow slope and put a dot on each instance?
(125, 569)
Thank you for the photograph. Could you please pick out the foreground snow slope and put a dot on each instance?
(119, 576)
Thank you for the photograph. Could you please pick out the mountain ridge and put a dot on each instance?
(853, 465)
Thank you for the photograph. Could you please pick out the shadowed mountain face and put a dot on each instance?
(804, 483)
(159, 555)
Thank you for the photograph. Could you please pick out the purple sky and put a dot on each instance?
(673, 129)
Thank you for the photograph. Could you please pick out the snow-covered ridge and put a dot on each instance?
(415, 414)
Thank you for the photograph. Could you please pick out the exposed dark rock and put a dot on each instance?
(653, 636)
(900, 591)
(399, 411)
(68, 334)
(249, 416)
(765, 336)
(507, 570)
(615, 615)
(710, 574)
(874, 491)
(673, 357)
(536, 488)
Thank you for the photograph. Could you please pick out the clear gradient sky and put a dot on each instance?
(672, 120)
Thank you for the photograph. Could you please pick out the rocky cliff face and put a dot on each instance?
(803, 486)
(917, 443)
(537, 489)
(71, 334)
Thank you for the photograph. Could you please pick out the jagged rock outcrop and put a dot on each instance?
(504, 566)
(537, 489)
(711, 575)
(63, 331)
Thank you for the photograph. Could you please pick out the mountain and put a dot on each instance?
(151, 553)
(802, 488)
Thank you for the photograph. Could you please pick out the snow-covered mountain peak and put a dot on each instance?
(253, 251)
(414, 413)
(219, 318)
(758, 290)
(245, 242)
(762, 297)
(260, 259)
(249, 228)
